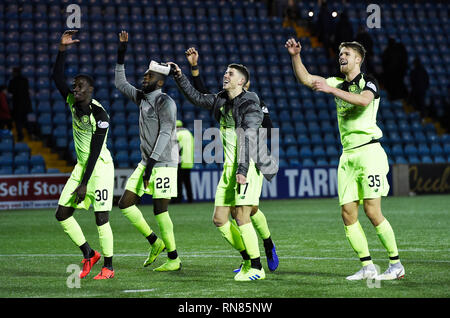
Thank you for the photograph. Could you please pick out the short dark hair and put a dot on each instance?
(243, 69)
(86, 77)
(358, 47)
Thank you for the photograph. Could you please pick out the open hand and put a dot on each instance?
(66, 39)
(123, 36)
(80, 193)
(293, 47)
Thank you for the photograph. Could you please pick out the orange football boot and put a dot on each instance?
(88, 263)
(105, 273)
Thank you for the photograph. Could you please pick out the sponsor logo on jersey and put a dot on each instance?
(372, 86)
(102, 124)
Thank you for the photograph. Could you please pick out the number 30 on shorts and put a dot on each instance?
(101, 195)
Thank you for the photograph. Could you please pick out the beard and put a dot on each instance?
(149, 87)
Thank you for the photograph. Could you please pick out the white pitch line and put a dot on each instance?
(191, 255)
(138, 290)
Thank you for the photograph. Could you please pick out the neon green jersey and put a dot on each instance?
(229, 137)
(357, 124)
(186, 143)
(84, 125)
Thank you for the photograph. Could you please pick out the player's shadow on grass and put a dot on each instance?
(26, 272)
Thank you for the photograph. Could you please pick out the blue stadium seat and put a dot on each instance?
(289, 140)
(308, 162)
(439, 159)
(397, 150)
(305, 152)
(21, 147)
(303, 139)
(400, 160)
(321, 162)
(426, 159)
(120, 144)
(436, 150)
(22, 170)
(292, 152)
(119, 131)
(423, 149)
(318, 151)
(410, 150)
(6, 159)
(6, 170)
(135, 157)
(121, 159)
(6, 145)
(37, 160)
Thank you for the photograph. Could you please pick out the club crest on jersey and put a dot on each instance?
(83, 122)
(354, 88)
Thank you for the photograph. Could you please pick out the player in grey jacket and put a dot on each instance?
(156, 174)
(240, 116)
(247, 115)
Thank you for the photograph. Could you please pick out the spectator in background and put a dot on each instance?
(21, 102)
(420, 83)
(272, 7)
(291, 14)
(324, 28)
(445, 121)
(186, 163)
(365, 39)
(5, 113)
(395, 64)
(343, 31)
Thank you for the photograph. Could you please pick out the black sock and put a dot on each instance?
(108, 263)
(256, 263)
(245, 255)
(152, 238)
(88, 252)
(172, 255)
(268, 244)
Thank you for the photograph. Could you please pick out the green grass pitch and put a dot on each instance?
(315, 257)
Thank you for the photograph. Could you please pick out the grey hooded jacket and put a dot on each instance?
(247, 115)
(157, 120)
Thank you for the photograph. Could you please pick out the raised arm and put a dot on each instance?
(197, 80)
(194, 96)
(58, 69)
(120, 80)
(301, 73)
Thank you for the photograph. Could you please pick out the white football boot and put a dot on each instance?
(367, 272)
(394, 271)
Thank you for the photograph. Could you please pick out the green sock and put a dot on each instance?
(166, 228)
(137, 219)
(250, 240)
(231, 234)
(260, 223)
(73, 230)
(357, 239)
(105, 237)
(387, 238)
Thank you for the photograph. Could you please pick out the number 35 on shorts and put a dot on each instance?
(374, 180)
